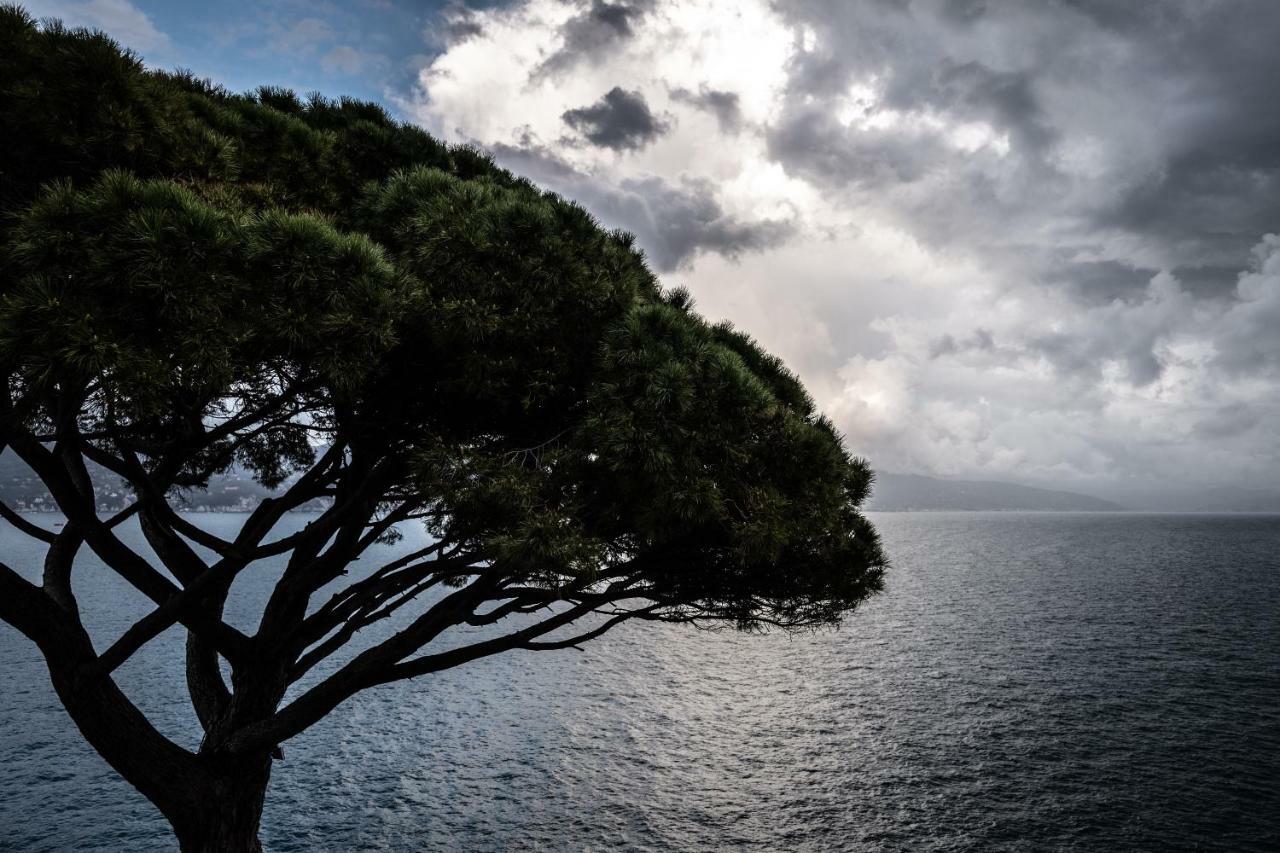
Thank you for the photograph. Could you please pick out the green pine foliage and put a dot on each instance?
(176, 256)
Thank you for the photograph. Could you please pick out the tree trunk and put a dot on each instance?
(228, 819)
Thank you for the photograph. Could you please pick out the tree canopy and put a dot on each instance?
(192, 280)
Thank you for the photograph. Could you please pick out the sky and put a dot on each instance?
(1033, 242)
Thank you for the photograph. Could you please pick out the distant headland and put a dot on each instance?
(914, 492)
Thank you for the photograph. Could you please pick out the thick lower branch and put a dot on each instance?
(26, 607)
(164, 772)
(35, 531)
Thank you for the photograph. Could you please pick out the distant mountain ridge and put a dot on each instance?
(902, 492)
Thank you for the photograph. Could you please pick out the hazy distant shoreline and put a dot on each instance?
(918, 493)
(236, 491)
(1120, 511)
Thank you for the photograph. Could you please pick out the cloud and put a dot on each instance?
(723, 105)
(673, 223)
(456, 23)
(1003, 98)
(1146, 125)
(119, 19)
(590, 33)
(1134, 387)
(997, 240)
(1248, 343)
(980, 339)
(814, 143)
(620, 120)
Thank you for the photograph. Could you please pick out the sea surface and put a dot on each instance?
(1028, 681)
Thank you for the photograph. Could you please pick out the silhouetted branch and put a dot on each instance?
(35, 531)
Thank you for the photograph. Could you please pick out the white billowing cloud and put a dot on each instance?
(988, 242)
(1032, 384)
(119, 19)
(491, 88)
(1251, 328)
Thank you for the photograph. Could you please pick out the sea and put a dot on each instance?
(1026, 682)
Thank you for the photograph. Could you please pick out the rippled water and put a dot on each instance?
(1027, 682)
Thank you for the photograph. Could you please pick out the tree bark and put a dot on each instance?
(173, 779)
(229, 818)
(235, 784)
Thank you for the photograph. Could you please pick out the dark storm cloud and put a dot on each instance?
(456, 23)
(1005, 98)
(1135, 15)
(590, 33)
(812, 143)
(1218, 188)
(1208, 206)
(686, 220)
(963, 11)
(932, 69)
(1138, 137)
(1099, 281)
(1070, 355)
(1209, 281)
(672, 223)
(1085, 356)
(945, 345)
(621, 120)
(724, 106)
